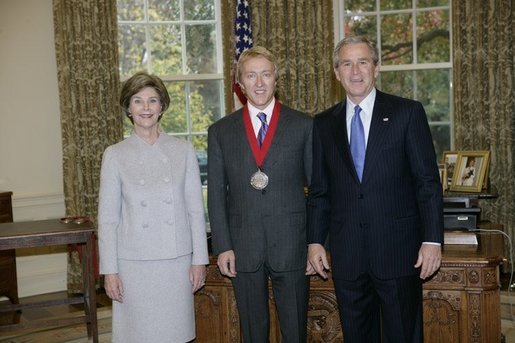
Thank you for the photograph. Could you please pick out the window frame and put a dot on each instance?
(185, 77)
(339, 29)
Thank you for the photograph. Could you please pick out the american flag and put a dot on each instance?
(243, 41)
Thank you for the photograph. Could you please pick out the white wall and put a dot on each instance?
(30, 136)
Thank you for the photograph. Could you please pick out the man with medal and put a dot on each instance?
(259, 162)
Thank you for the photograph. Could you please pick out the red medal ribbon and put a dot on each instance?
(260, 154)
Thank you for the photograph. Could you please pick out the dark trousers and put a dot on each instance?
(374, 310)
(290, 290)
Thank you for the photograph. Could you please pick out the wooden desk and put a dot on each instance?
(461, 302)
(54, 232)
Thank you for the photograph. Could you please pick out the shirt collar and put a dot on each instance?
(253, 111)
(367, 105)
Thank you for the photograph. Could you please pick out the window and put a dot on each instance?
(414, 41)
(179, 41)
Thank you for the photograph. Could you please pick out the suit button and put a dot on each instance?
(360, 196)
(166, 179)
(145, 226)
(143, 203)
(142, 182)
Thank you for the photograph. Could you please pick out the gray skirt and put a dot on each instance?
(157, 303)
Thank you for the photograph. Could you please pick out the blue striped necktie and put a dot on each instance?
(357, 142)
(262, 131)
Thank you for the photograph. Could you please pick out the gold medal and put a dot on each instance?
(259, 180)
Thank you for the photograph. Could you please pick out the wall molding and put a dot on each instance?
(37, 206)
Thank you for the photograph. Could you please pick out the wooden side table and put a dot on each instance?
(55, 232)
(8, 281)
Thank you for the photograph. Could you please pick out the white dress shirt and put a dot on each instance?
(367, 108)
(253, 112)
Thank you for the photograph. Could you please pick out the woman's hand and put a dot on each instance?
(197, 277)
(113, 286)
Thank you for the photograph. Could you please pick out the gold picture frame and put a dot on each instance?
(470, 172)
(442, 168)
(449, 160)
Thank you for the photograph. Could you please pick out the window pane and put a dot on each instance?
(131, 48)
(361, 25)
(395, 5)
(432, 3)
(161, 10)
(132, 10)
(359, 5)
(174, 120)
(199, 10)
(204, 102)
(397, 82)
(201, 48)
(396, 39)
(433, 39)
(433, 92)
(166, 49)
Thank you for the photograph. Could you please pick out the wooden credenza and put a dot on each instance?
(461, 302)
(8, 279)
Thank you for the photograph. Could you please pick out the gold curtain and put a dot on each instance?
(300, 34)
(484, 75)
(87, 68)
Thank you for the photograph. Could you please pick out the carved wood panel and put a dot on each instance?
(442, 316)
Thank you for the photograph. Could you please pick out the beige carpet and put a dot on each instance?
(68, 334)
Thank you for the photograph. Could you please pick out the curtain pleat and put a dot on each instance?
(484, 79)
(87, 66)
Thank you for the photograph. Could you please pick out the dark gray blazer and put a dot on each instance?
(380, 224)
(268, 224)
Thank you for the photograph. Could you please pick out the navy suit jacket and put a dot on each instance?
(260, 225)
(377, 225)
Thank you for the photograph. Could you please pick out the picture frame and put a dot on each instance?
(449, 160)
(442, 169)
(470, 171)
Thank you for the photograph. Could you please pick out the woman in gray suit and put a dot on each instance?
(152, 236)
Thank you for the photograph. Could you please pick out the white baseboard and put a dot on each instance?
(37, 206)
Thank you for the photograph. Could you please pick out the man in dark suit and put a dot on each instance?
(375, 190)
(259, 161)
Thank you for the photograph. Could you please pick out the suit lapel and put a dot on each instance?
(382, 117)
(341, 136)
(275, 151)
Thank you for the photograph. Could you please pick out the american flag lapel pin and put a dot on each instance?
(386, 119)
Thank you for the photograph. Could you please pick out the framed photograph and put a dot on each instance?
(449, 159)
(470, 171)
(443, 176)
